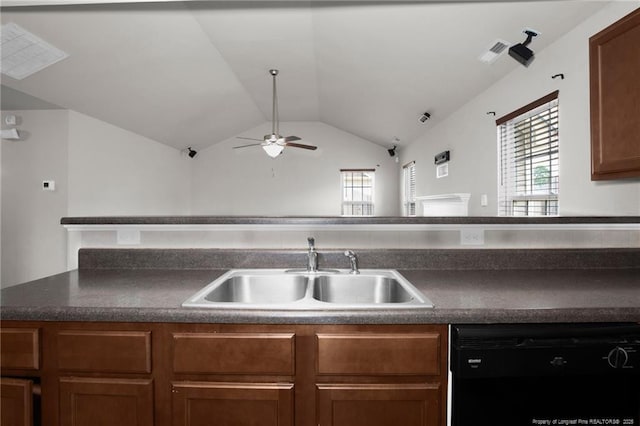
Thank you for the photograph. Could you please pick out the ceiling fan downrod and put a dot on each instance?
(274, 107)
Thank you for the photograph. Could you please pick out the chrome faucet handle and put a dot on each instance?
(312, 243)
(353, 259)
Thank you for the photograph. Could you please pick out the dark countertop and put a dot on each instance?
(474, 296)
(339, 220)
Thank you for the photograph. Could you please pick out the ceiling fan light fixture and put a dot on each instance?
(273, 149)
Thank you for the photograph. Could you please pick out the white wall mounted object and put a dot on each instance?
(10, 134)
(456, 204)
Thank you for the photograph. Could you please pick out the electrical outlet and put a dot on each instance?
(472, 236)
(128, 237)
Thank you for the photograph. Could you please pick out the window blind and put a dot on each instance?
(528, 143)
(409, 188)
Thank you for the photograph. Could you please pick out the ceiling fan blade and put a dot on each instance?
(291, 138)
(250, 139)
(246, 146)
(299, 145)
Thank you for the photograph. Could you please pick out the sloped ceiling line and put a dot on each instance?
(197, 73)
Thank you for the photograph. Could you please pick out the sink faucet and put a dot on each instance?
(354, 261)
(312, 256)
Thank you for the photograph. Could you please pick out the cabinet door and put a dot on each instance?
(16, 402)
(379, 405)
(105, 402)
(614, 55)
(231, 404)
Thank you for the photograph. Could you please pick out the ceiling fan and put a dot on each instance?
(273, 144)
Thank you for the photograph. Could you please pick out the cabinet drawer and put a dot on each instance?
(234, 353)
(105, 351)
(20, 348)
(378, 354)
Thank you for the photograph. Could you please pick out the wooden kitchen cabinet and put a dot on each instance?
(104, 376)
(243, 376)
(614, 61)
(200, 374)
(19, 359)
(381, 378)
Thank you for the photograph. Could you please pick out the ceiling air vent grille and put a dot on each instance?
(24, 54)
(497, 48)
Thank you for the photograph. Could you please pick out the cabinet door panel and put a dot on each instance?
(20, 348)
(105, 402)
(234, 353)
(230, 404)
(105, 351)
(378, 354)
(379, 405)
(17, 402)
(614, 55)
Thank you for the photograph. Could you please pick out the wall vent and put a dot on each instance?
(497, 48)
(24, 54)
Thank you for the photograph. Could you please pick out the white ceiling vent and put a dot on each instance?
(497, 48)
(24, 54)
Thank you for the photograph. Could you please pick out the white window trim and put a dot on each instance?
(408, 198)
(371, 203)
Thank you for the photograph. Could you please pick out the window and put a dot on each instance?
(357, 192)
(409, 189)
(528, 170)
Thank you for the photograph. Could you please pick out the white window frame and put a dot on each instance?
(518, 193)
(366, 207)
(409, 189)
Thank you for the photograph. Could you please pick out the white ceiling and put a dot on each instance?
(196, 73)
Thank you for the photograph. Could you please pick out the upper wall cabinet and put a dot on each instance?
(614, 59)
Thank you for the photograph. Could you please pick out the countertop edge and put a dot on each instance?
(413, 316)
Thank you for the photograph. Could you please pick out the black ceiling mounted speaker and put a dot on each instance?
(520, 52)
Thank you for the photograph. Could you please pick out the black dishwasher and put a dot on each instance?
(545, 374)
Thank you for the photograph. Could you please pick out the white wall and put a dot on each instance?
(33, 242)
(116, 172)
(99, 169)
(298, 182)
(470, 134)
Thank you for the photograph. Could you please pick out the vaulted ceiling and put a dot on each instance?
(196, 73)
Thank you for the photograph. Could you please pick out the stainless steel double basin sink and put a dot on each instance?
(300, 290)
